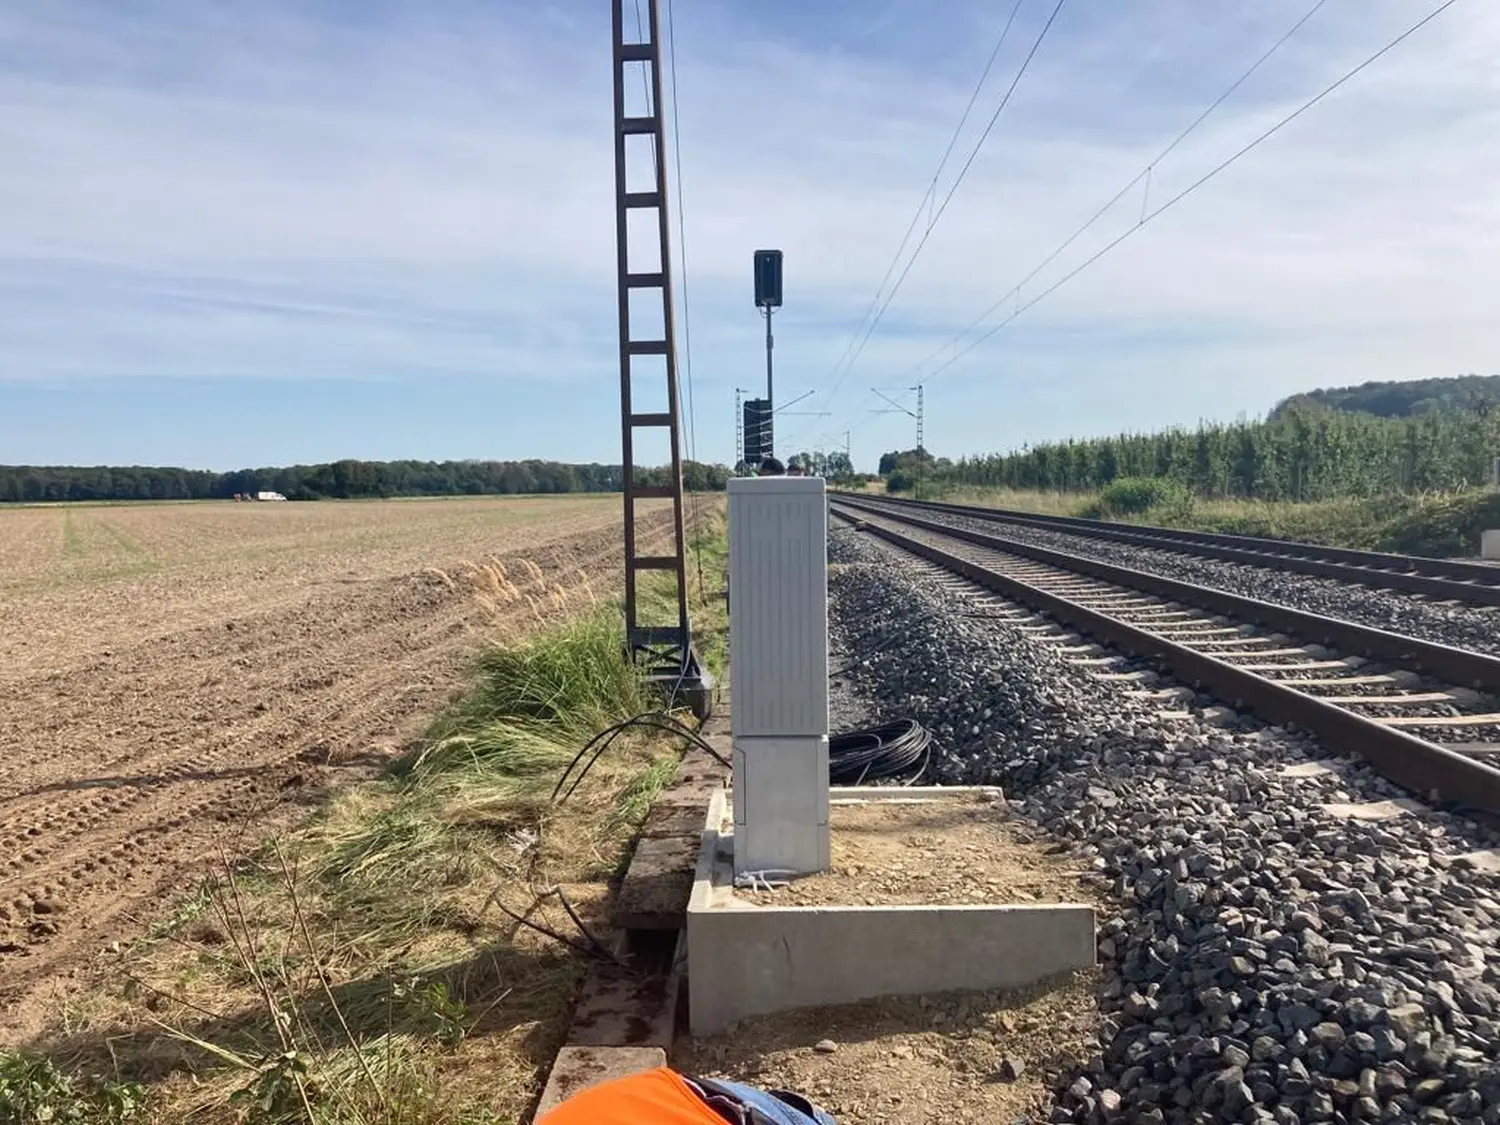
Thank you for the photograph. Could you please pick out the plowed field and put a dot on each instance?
(177, 680)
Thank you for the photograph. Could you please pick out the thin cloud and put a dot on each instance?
(191, 190)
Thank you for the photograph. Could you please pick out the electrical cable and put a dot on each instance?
(1144, 174)
(604, 739)
(886, 752)
(952, 190)
(1191, 188)
(591, 946)
(687, 323)
(927, 196)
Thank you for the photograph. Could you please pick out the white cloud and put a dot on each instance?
(201, 190)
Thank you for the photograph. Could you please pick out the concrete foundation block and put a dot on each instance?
(1489, 544)
(746, 959)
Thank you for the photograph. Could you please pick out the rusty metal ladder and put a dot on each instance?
(664, 650)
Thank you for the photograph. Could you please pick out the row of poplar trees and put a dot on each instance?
(1299, 455)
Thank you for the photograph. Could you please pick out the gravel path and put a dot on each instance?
(1464, 626)
(1268, 961)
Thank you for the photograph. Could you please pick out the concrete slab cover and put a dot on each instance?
(578, 1068)
(655, 892)
(621, 1008)
(1376, 810)
(1311, 769)
(677, 819)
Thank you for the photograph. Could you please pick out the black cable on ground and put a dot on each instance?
(900, 749)
(658, 720)
(589, 947)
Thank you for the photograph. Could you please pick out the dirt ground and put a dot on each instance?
(964, 1057)
(960, 1057)
(178, 680)
(957, 850)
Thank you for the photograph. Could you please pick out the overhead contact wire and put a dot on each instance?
(927, 196)
(1144, 174)
(1190, 189)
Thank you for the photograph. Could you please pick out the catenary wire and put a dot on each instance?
(862, 335)
(687, 323)
(1143, 174)
(1196, 184)
(962, 172)
(929, 194)
(1193, 187)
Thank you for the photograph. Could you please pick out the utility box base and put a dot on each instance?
(749, 958)
(780, 805)
(1489, 544)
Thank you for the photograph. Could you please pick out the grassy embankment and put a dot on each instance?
(1440, 525)
(373, 966)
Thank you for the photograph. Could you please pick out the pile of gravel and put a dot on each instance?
(1268, 961)
(1464, 626)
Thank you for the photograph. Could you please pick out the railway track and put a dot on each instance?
(1442, 579)
(1419, 712)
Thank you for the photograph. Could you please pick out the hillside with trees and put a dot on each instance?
(1468, 393)
(346, 479)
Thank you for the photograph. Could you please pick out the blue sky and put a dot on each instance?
(293, 231)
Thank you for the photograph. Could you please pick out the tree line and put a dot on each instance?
(1299, 454)
(1474, 393)
(346, 479)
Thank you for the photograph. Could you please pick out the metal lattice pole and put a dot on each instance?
(664, 649)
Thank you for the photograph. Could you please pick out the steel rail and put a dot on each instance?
(1450, 579)
(1457, 666)
(1430, 770)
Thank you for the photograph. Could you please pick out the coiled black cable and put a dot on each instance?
(900, 749)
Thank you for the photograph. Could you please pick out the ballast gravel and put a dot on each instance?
(1463, 626)
(1268, 960)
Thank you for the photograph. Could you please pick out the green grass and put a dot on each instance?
(369, 968)
(34, 1091)
(1440, 525)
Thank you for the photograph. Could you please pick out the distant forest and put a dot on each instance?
(1471, 393)
(336, 480)
(1427, 435)
(1302, 455)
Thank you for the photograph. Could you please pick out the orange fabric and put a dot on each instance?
(654, 1097)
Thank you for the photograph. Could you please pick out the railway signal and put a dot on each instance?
(768, 299)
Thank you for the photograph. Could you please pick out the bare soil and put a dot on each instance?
(957, 850)
(178, 680)
(961, 1057)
